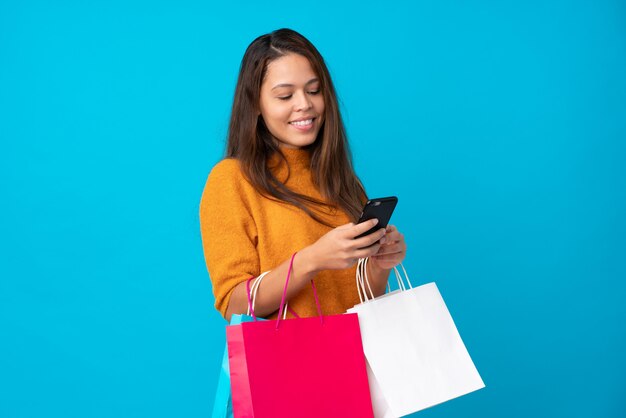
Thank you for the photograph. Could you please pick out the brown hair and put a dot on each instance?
(250, 142)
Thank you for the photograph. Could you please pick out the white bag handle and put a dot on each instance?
(255, 287)
(362, 279)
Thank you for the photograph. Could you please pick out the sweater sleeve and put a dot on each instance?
(229, 234)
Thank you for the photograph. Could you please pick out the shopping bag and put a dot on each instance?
(223, 406)
(415, 353)
(379, 404)
(301, 367)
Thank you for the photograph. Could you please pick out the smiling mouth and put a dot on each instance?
(305, 122)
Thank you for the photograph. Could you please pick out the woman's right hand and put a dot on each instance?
(339, 249)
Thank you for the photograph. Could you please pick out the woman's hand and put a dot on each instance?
(391, 252)
(339, 248)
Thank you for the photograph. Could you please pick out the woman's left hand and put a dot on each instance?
(392, 251)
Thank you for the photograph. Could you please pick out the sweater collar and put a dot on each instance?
(297, 158)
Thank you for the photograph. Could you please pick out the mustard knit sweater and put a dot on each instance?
(245, 234)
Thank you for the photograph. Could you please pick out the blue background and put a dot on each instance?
(500, 126)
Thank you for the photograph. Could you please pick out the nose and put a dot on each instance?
(303, 102)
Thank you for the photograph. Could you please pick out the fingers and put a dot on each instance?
(395, 252)
(370, 239)
(393, 235)
(367, 252)
(390, 249)
(363, 227)
(393, 245)
(385, 244)
(387, 260)
(346, 226)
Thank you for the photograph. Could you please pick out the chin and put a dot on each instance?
(299, 142)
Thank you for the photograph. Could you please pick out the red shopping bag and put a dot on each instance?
(301, 367)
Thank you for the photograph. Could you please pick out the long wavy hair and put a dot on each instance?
(250, 142)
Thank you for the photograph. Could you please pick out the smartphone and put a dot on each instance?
(381, 209)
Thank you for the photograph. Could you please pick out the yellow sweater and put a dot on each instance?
(245, 234)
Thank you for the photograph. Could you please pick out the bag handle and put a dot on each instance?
(361, 272)
(251, 294)
(362, 280)
(282, 301)
(255, 287)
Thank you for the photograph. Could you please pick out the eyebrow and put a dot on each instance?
(311, 81)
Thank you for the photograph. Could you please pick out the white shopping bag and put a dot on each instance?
(413, 349)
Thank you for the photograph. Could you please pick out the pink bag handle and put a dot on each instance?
(282, 301)
(251, 305)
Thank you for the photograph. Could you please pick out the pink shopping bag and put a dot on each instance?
(301, 367)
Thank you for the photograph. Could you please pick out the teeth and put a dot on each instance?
(302, 122)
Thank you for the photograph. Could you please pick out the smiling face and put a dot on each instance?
(291, 102)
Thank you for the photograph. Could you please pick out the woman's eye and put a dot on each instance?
(288, 96)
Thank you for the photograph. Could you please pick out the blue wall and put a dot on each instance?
(501, 127)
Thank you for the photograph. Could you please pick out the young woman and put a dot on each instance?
(287, 185)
